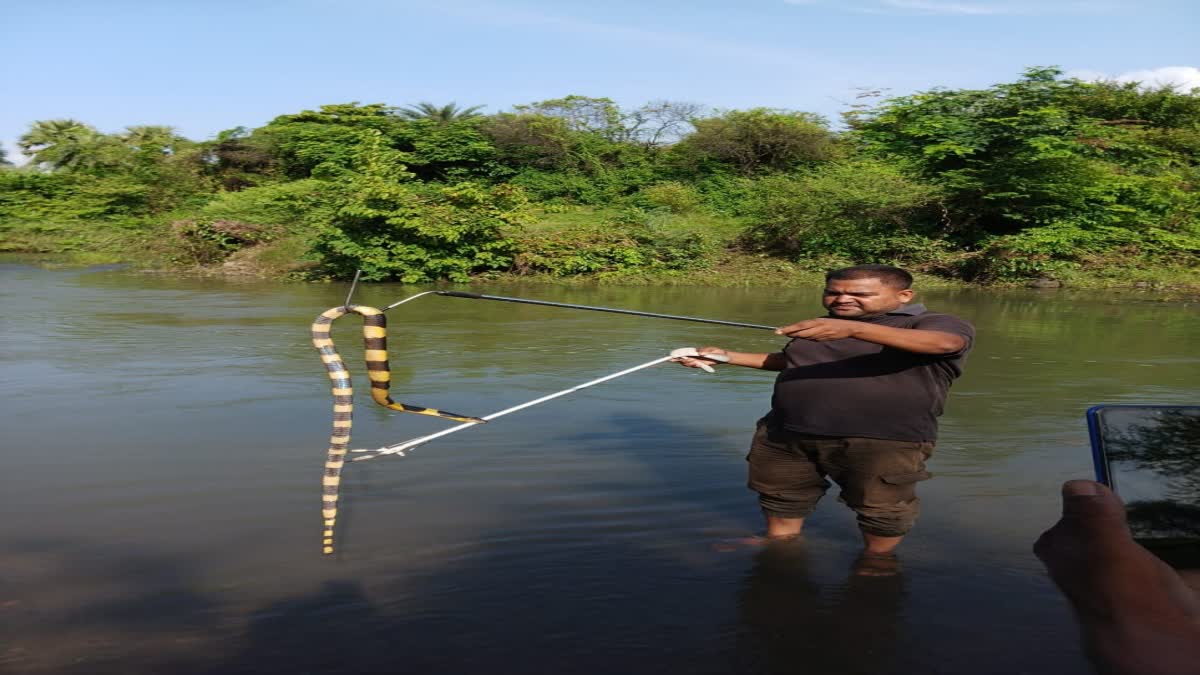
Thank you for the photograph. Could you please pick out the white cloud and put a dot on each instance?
(1182, 78)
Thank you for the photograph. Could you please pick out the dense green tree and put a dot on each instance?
(530, 140)
(451, 112)
(311, 142)
(755, 141)
(1035, 181)
(1014, 155)
(453, 150)
(4, 157)
(581, 113)
(238, 158)
(393, 227)
(844, 212)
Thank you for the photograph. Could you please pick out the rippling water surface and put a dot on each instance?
(163, 441)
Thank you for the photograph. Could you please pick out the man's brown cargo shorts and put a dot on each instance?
(877, 477)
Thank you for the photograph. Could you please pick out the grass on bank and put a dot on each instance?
(153, 245)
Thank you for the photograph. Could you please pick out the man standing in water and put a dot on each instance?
(856, 401)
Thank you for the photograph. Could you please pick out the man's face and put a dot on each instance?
(856, 298)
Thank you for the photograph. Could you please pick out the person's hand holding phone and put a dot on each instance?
(1137, 614)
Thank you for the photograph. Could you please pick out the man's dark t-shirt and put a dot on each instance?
(854, 388)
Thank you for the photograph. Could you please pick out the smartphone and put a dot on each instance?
(1150, 456)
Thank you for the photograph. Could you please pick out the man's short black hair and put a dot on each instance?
(886, 274)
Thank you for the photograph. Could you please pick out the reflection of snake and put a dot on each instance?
(375, 335)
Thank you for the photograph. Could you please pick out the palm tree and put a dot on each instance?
(61, 144)
(150, 136)
(447, 113)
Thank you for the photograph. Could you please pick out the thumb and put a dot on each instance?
(1092, 507)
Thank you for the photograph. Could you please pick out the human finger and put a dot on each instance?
(1091, 555)
(794, 327)
(1092, 517)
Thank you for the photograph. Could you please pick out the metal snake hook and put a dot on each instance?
(353, 285)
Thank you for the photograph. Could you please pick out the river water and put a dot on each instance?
(163, 441)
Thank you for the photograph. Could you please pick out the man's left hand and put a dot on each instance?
(820, 330)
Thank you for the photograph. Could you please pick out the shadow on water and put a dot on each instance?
(794, 625)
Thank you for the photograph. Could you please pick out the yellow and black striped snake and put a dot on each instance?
(375, 336)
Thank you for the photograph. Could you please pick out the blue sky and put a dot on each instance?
(206, 66)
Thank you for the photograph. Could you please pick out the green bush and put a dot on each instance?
(673, 196)
(863, 211)
(27, 195)
(1054, 249)
(204, 242)
(391, 227)
(609, 248)
(751, 142)
(286, 204)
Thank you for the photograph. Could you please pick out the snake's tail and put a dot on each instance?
(381, 397)
(343, 411)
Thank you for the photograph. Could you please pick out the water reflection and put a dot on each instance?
(798, 624)
(1154, 460)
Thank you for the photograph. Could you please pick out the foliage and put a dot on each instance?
(64, 197)
(451, 112)
(238, 158)
(580, 114)
(204, 242)
(284, 204)
(391, 227)
(1043, 176)
(1054, 250)
(863, 211)
(673, 196)
(447, 150)
(324, 141)
(71, 145)
(611, 248)
(1016, 155)
(757, 140)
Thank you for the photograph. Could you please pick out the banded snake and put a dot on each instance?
(375, 337)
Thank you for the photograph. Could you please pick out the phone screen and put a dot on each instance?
(1150, 456)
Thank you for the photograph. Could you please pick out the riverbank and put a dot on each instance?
(159, 247)
(731, 269)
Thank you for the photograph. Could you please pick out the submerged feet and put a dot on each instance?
(876, 565)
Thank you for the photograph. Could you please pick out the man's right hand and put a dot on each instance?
(692, 362)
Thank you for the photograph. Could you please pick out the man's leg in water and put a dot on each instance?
(778, 526)
(874, 544)
(878, 480)
(786, 477)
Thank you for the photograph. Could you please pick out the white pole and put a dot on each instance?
(401, 447)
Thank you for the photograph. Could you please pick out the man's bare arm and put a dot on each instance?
(914, 340)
